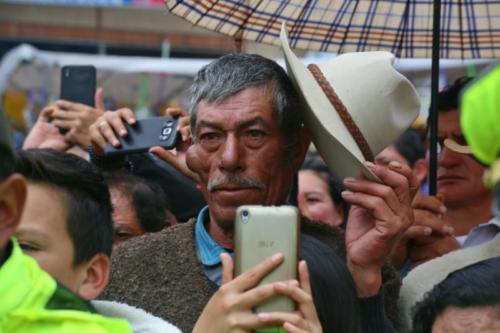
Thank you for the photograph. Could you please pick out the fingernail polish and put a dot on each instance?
(123, 132)
(442, 209)
(369, 164)
(428, 231)
(349, 180)
(347, 194)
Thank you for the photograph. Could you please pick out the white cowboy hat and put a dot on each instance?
(375, 101)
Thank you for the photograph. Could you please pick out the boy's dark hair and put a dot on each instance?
(148, 199)
(89, 206)
(6, 154)
(411, 146)
(7, 162)
(474, 285)
(449, 97)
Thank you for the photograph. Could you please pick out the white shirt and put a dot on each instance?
(480, 233)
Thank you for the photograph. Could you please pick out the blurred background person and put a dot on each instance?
(480, 126)
(408, 149)
(138, 206)
(460, 215)
(319, 195)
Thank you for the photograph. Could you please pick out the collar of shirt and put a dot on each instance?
(207, 249)
(480, 233)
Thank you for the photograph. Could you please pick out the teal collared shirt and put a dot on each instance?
(207, 250)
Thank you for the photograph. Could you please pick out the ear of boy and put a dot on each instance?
(12, 199)
(94, 277)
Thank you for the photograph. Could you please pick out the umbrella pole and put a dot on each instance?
(433, 114)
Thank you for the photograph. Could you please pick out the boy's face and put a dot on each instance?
(43, 234)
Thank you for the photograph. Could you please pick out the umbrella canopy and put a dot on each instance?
(407, 28)
(469, 28)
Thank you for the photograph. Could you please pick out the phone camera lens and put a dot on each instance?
(244, 216)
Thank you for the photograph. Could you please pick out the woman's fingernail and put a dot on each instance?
(347, 194)
(349, 180)
(131, 121)
(427, 231)
(369, 164)
(442, 209)
(116, 143)
(263, 316)
(123, 132)
(448, 230)
(396, 165)
(281, 284)
(277, 257)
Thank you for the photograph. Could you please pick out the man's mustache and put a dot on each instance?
(238, 181)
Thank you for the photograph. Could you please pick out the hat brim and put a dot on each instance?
(333, 140)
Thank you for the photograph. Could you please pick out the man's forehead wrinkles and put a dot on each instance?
(223, 124)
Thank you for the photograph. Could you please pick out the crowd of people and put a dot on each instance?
(145, 242)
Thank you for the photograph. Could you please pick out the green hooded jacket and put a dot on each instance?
(32, 301)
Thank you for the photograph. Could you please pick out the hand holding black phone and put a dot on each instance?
(78, 85)
(144, 134)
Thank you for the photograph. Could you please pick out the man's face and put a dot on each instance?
(390, 154)
(459, 176)
(43, 234)
(239, 155)
(126, 224)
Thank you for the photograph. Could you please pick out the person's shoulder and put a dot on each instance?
(139, 319)
(174, 236)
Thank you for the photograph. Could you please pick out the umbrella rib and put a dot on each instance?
(298, 26)
(461, 29)
(205, 13)
(344, 38)
(241, 27)
(398, 47)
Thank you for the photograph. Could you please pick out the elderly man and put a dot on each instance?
(247, 144)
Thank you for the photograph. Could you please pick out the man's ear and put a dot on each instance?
(13, 193)
(302, 146)
(95, 277)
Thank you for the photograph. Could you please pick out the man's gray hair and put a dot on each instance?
(230, 74)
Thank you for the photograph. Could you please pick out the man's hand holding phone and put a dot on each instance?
(105, 129)
(230, 308)
(76, 118)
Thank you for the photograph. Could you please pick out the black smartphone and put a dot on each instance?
(144, 134)
(78, 84)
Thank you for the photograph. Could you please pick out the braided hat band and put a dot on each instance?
(341, 109)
